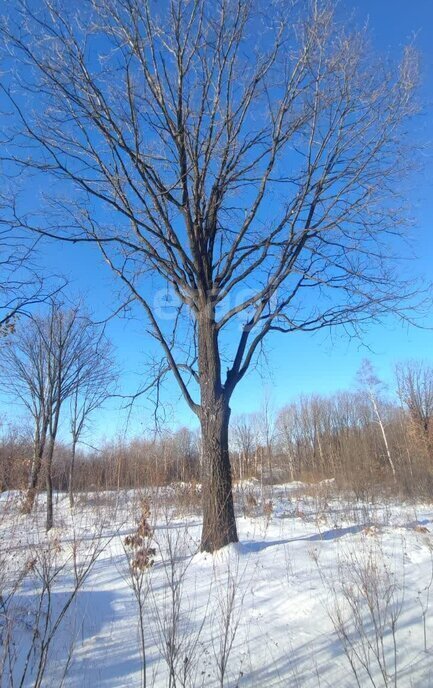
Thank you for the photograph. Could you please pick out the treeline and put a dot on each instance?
(359, 437)
(168, 457)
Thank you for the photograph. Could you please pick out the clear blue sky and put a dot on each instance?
(297, 363)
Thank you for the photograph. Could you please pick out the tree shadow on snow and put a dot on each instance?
(81, 628)
(257, 546)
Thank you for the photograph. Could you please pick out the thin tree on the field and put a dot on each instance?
(42, 364)
(244, 440)
(95, 378)
(239, 171)
(286, 425)
(266, 422)
(24, 375)
(372, 386)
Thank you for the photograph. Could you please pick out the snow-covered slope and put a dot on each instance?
(318, 592)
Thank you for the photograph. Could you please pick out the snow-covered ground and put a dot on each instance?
(320, 591)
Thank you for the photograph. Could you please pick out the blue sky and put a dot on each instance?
(297, 363)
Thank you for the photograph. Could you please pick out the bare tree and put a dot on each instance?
(266, 422)
(24, 375)
(242, 164)
(42, 365)
(244, 441)
(286, 425)
(95, 378)
(372, 385)
(415, 389)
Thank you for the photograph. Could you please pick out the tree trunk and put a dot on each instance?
(33, 482)
(71, 474)
(35, 469)
(219, 523)
(49, 480)
(384, 437)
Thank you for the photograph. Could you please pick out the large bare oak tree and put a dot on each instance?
(246, 158)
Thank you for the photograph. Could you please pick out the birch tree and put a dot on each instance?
(372, 386)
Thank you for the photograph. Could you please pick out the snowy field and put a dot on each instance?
(320, 591)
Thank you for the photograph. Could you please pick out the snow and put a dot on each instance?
(284, 582)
